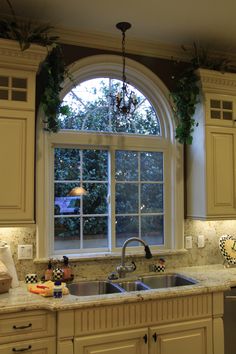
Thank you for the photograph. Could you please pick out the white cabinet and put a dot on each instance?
(33, 332)
(211, 159)
(181, 325)
(132, 342)
(17, 131)
(193, 337)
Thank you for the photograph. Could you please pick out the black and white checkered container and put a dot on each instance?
(31, 278)
(57, 274)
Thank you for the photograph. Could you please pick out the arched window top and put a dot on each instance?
(140, 77)
(92, 107)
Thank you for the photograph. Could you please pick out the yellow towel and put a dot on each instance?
(46, 289)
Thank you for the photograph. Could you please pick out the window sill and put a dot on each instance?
(110, 256)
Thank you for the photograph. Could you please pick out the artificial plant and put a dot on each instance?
(186, 93)
(53, 69)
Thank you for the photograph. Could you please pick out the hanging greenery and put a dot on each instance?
(53, 69)
(185, 96)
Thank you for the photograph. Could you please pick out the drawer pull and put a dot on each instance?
(22, 349)
(23, 327)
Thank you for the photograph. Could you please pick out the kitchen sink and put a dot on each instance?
(166, 281)
(160, 281)
(87, 288)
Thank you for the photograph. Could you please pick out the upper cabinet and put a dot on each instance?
(211, 159)
(17, 130)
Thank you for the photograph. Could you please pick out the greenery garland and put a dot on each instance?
(185, 96)
(53, 69)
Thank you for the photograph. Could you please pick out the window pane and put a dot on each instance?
(126, 166)
(95, 230)
(64, 203)
(152, 229)
(126, 198)
(151, 166)
(67, 164)
(67, 233)
(95, 201)
(92, 107)
(151, 198)
(95, 165)
(126, 227)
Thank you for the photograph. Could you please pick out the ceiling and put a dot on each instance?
(168, 22)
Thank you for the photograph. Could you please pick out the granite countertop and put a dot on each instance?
(212, 278)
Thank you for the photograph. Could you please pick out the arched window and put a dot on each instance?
(108, 176)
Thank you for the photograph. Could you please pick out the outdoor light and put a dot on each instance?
(125, 100)
(77, 191)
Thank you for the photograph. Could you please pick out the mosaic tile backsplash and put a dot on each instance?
(210, 254)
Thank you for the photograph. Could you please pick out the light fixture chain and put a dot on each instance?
(123, 54)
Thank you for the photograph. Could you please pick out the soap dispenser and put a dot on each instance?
(67, 269)
(48, 272)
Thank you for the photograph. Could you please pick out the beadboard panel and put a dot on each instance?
(146, 313)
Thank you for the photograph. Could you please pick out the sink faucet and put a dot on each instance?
(122, 269)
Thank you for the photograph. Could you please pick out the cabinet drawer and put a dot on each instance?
(39, 346)
(33, 324)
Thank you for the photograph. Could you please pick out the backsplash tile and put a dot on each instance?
(210, 254)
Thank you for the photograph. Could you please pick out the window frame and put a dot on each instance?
(156, 92)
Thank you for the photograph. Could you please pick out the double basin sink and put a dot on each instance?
(87, 288)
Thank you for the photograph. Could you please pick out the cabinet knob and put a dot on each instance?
(145, 338)
(154, 337)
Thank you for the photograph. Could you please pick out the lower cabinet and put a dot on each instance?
(193, 337)
(181, 325)
(124, 342)
(39, 346)
(28, 332)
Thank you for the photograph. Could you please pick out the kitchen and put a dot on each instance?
(19, 226)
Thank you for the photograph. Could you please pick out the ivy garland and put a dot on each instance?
(185, 96)
(53, 69)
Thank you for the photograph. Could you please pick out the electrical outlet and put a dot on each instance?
(200, 241)
(25, 251)
(188, 242)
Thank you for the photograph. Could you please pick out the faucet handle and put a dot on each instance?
(134, 266)
(113, 276)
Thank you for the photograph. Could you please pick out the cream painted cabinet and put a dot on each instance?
(211, 159)
(132, 342)
(193, 337)
(17, 131)
(29, 332)
(182, 325)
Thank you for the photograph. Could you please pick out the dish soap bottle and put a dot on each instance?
(57, 290)
(48, 272)
(67, 269)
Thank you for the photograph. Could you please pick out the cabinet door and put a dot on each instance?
(221, 173)
(220, 110)
(131, 342)
(186, 338)
(37, 346)
(17, 166)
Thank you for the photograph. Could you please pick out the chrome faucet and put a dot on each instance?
(122, 269)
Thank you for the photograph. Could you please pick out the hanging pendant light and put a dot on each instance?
(125, 100)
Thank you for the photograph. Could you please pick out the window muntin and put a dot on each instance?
(91, 109)
(80, 222)
(83, 222)
(139, 196)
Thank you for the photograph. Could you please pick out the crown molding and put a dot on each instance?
(103, 41)
(217, 82)
(11, 56)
